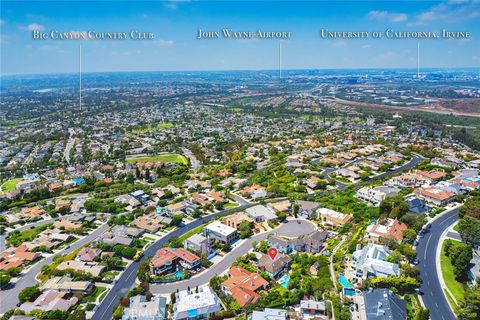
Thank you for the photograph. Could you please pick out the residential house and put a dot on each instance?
(167, 260)
(243, 285)
(389, 228)
(376, 195)
(260, 213)
(94, 268)
(333, 218)
(312, 310)
(149, 223)
(254, 191)
(236, 219)
(64, 224)
(16, 257)
(408, 180)
(306, 208)
(281, 206)
(220, 232)
(198, 243)
(417, 205)
(196, 305)
(62, 203)
(141, 309)
(435, 196)
(88, 254)
(309, 243)
(380, 304)
(31, 214)
(276, 267)
(312, 182)
(269, 314)
(370, 262)
(432, 176)
(66, 284)
(49, 300)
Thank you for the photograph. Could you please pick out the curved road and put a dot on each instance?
(292, 228)
(9, 297)
(431, 290)
(127, 278)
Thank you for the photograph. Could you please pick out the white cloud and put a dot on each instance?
(33, 27)
(173, 4)
(164, 43)
(339, 44)
(385, 15)
(451, 11)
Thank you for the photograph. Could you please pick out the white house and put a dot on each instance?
(196, 305)
(377, 194)
(370, 262)
(220, 232)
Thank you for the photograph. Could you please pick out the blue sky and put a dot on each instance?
(175, 24)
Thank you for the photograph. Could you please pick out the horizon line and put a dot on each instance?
(235, 70)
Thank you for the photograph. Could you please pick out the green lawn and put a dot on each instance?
(191, 233)
(159, 126)
(455, 287)
(93, 296)
(10, 185)
(16, 238)
(230, 205)
(102, 295)
(169, 157)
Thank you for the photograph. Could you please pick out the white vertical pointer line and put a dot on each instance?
(280, 60)
(418, 60)
(80, 76)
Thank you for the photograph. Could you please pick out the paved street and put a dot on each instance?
(194, 163)
(415, 161)
(292, 228)
(431, 290)
(127, 279)
(9, 298)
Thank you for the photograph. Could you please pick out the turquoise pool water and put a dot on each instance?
(344, 282)
(284, 281)
(348, 289)
(178, 274)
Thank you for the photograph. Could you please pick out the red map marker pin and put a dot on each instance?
(272, 252)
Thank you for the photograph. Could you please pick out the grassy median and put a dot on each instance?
(455, 287)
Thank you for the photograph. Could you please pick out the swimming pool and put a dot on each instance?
(348, 289)
(344, 282)
(284, 281)
(178, 274)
